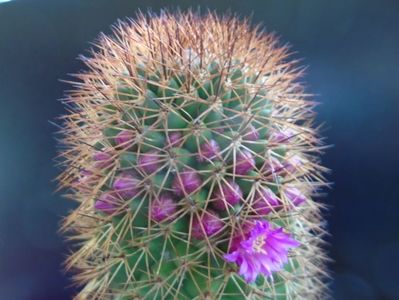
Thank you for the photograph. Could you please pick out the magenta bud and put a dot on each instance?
(86, 180)
(272, 166)
(264, 201)
(229, 194)
(126, 185)
(107, 203)
(293, 163)
(186, 182)
(175, 139)
(84, 176)
(294, 195)
(163, 208)
(245, 162)
(282, 136)
(149, 161)
(209, 150)
(102, 159)
(124, 138)
(207, 225)
(251, 133)
(85, 172)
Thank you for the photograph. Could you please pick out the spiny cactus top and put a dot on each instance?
(190, 149)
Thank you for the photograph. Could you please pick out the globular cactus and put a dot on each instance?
(190, 148)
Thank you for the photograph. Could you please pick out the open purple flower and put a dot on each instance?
(124, 138)
(262, 250)
(107, 203)
(149, 162)
(206, 226)
(229, 194)
(209, 150)
(163, 208)
(126, 185)
(294, 195)
(186, 182)
(245, 162)
(264, 201)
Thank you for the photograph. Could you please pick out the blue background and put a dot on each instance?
(352, 48)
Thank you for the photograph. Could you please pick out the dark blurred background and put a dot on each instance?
(352, 49)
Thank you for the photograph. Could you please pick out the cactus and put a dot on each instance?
(190, 149)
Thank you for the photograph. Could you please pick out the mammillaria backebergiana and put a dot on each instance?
(190, 148)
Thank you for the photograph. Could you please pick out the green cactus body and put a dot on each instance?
(179, 125)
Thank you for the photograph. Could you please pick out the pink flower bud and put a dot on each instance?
(124, 138)
(206, 225)
(219, 130)
(149, 161)
(272, 166)
(102, 159)
(126, 185)
(163, 208)
(282, 136)
(175, 139)
(107, 203)
(293, 163)
(294, 195)
(85, 172)
(251, 133)
(245, 162)
(229, 194)
(208, 151)
(85, 179)
(186, 182)
(264, 200)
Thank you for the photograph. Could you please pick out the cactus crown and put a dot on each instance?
(190, 149)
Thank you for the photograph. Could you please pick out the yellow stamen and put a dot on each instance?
(258, 244)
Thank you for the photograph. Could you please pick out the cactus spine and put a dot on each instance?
(190, 150)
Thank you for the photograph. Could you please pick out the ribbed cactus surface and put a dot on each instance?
(189, 147)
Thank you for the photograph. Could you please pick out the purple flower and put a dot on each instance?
(163, 208)
(126, 185)
(207, 225)
(174, 139)
(264, 201)
(245, 162)
(107, 203)
(251, 133)
(262, 250)
(208, 151)
(149, 161)
(186, 182)
(102, 159)
(229, 194)
(124, 138)
(294, 195)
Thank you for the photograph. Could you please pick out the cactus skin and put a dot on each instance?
(176, 113)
